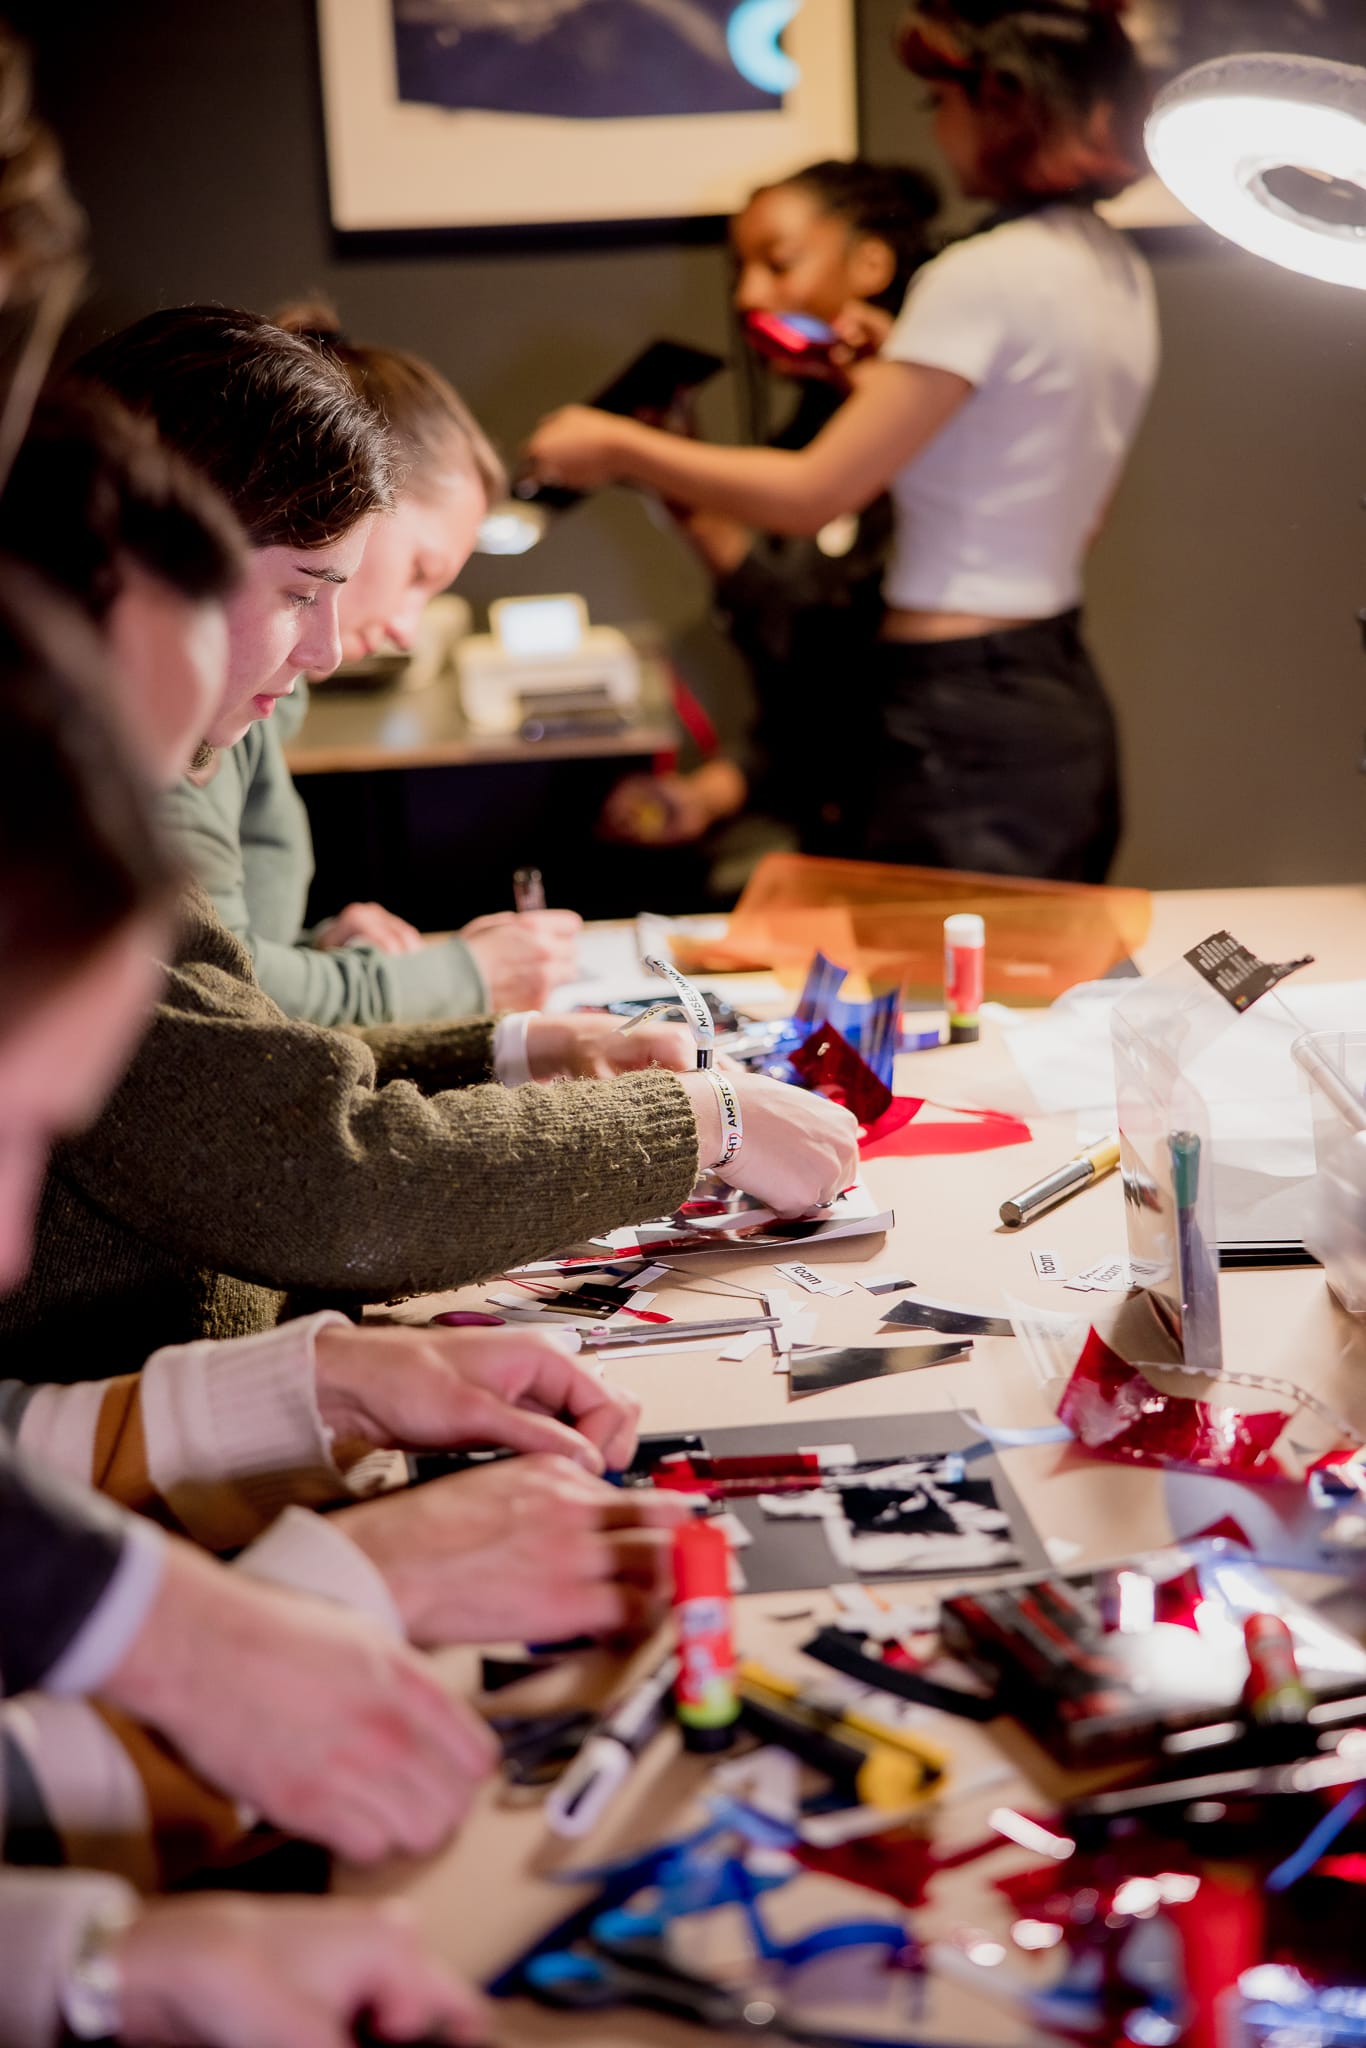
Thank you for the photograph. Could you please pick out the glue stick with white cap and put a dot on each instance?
(965, 939)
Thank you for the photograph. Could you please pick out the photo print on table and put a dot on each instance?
(937, 1500)
(921, 1515)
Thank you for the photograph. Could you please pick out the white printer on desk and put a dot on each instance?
(542, 668)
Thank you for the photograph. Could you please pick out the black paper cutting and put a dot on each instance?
(815, 1372)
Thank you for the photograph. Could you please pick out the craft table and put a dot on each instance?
(487, 1896)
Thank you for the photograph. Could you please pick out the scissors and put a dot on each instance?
(537, 1747)
(596, 1974)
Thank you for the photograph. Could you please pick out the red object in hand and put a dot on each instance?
(829, 1066)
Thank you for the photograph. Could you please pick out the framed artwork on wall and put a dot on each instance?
(1175, 34)
(508, 114)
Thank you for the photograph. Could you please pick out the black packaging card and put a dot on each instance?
(1239, 976)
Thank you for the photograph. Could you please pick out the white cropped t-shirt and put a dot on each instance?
(1053, 319)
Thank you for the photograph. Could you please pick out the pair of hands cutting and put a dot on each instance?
(365, 1752)
(799, 1150)
(521, 955)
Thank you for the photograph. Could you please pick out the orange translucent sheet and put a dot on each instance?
(886, 923)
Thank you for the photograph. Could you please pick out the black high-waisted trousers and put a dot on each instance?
(997, 753)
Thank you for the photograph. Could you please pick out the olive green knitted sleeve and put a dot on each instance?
(432, 1056)
(267, 1148)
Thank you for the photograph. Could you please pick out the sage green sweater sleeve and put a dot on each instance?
(254, 1145)
(244, 835)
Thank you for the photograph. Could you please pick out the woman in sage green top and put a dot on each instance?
(242, 826)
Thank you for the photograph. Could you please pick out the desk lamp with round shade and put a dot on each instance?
(1270, 151)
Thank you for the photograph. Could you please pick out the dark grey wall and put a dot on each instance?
(1222, 595)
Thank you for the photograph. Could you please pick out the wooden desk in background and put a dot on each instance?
(349, 732)
(410, 808)
(488, 1896)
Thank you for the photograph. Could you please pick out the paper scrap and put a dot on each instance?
(1052, 1339)
(1049, 1265)
(812, 1282)
(820, 1371)
(680, 1347)
(733, 1529)
(886, 1283)
(1062, 1551)
(741, 1347)
(829, 1454)
(647, 1275)
(642, 1298)
(883, 1619)
(1108, 1276)
(948, 1317)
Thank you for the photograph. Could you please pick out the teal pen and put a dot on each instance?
(1192, 1266)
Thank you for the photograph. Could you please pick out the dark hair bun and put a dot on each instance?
(314, 320)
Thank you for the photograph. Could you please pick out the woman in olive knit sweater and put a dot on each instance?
(248, 1161)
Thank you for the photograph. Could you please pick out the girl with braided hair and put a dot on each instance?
(838, 241)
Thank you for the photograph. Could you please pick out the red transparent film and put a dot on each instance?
(829, 1066)
(1115, 1411)
(887, 924)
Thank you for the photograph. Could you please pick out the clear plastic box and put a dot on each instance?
(1335, 1223)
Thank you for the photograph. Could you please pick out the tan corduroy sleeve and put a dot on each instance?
(215, 1439)
(271, 1150)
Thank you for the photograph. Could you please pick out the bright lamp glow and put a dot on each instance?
(1224, 135)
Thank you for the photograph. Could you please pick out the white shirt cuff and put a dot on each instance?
(233, 1431)
(108, 1631)
(43, 1918)
(511, 1064)
(312, 1554)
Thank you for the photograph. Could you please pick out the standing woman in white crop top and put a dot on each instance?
(999, 413)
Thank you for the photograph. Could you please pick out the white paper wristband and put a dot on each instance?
(732, 1123)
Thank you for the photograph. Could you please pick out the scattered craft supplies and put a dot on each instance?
(816, 1372)
(726, 1221)
(948, 1318)
(907, 1506)
(1114, 1411)
(1096, 1664)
